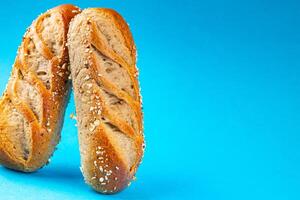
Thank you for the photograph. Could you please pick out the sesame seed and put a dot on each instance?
(101, 179)
(72, 116)
(87, 77)
(92, 127)
(97, 122)
(89, 85)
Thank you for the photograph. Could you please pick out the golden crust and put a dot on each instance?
(116, 170)
(122, 26)
(116, 173)
(45, 131)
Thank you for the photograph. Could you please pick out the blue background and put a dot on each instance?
(221, 89)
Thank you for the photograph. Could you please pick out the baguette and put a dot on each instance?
(33, 104)
(107, 98)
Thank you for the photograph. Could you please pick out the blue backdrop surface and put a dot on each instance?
(221, 91)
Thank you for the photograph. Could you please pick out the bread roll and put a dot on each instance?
(107, 97)
(33, 105)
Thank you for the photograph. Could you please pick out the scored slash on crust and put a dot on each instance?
(43, 123)
(108, 165)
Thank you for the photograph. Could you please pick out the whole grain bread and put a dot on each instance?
(107, 97)
(32, 106)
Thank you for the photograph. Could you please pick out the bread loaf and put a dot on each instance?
(32, 107)
(107, 97)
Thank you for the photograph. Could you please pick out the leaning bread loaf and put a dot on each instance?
(107, 97)
(32, 107)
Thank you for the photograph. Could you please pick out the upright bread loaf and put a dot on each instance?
(107, 97)
(32, 107)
